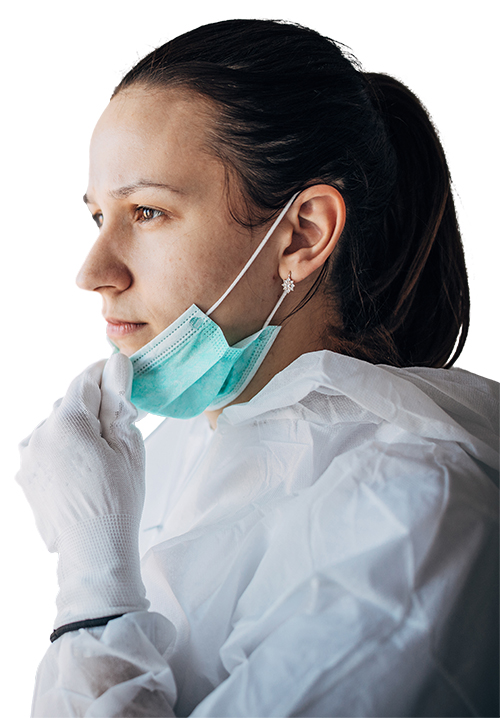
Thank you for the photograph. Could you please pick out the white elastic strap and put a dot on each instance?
(277, 306)
(252, 258)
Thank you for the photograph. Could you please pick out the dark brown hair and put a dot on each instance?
(294, 109)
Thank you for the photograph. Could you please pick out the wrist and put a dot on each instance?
(99, 569)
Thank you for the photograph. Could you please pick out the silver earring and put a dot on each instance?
(288, 284)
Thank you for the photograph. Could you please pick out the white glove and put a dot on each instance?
(82, 471)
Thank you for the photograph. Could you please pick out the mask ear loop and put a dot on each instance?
(251, 260)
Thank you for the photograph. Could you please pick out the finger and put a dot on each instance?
(116, 412)
(24, 443)
(84, 391)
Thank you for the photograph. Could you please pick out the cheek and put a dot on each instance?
(175, 271)
(167, 285)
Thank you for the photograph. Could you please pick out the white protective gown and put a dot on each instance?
(330, 550)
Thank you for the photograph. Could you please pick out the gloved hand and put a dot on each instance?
(82, 471)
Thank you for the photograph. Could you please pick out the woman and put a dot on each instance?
(278, 255)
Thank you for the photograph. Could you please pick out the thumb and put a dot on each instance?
(117, 412)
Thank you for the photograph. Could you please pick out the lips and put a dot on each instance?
(120, 328)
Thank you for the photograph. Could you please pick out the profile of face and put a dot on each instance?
(167, 239)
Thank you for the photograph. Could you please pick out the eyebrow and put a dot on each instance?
(129, 189)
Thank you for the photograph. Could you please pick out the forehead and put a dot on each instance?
(150, 130)
(149, 111)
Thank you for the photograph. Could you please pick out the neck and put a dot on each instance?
(301, 333)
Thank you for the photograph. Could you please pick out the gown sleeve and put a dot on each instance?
(118, 670)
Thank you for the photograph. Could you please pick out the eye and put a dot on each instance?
(145, 214)
(98, 219)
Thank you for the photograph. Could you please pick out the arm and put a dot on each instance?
(117, 670)
(83, 473)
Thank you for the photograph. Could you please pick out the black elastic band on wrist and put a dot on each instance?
(88, 623)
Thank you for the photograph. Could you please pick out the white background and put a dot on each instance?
(60, 63)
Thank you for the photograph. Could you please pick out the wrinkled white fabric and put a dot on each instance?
(82, 471)
(330, 550)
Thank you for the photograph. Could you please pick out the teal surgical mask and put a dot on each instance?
(190, 367)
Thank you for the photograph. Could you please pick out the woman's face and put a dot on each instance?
(166, 238)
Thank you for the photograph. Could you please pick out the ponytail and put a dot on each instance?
(294, 109)
(407, 297)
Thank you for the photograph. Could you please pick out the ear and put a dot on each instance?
(317, 217)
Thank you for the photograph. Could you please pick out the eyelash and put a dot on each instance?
(98, 218)
(157, 212)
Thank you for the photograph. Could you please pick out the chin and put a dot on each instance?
(129, 347)
(128, 352)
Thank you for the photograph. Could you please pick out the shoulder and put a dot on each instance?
(375, 459)
(347, 455)
(324, 388)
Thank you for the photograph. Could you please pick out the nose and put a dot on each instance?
(104, 269)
